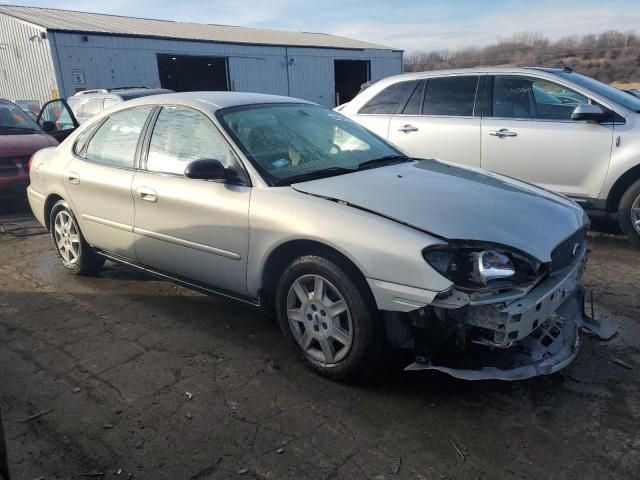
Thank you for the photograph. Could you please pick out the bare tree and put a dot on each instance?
(608, 56)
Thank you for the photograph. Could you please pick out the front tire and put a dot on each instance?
(328, 318)
(629, 213)
(75, 254)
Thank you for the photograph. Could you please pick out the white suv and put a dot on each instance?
(87, 103)
(553, 127)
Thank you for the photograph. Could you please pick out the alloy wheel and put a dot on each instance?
(635, 214)
(67, 237)
(319, 319)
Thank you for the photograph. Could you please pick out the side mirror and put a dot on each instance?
(206, 169)
(589, 113)
(48, 126)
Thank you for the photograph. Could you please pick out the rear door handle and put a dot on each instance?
(147, 194)
(503, 132)
(73, 178)
(408, 128)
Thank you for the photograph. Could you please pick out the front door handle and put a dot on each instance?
(408, 128)
(503, 132)
(147, 194)
(73, 178)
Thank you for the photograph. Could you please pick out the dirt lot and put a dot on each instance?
(108, 362)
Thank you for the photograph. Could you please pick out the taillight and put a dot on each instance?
(30, 160)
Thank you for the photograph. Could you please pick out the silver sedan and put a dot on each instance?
(287, 205)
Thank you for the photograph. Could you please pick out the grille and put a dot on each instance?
(12, 166)
(565, 254)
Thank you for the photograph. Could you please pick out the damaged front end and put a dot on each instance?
(525, 321)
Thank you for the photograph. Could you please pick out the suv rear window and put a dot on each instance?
(387, 101)
(450, 96)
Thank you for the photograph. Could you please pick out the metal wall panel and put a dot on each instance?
(312, 75)
(26, 66)
(110, 61)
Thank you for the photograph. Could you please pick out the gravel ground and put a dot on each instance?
(137, 378)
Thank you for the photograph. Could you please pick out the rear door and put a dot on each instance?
(57, 119)
(99, 177)
(440, 121)
(194, 229)
(528, 133)
(376, 113)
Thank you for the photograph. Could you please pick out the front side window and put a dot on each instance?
(294, 142)
(450, 96)
(532, 98)
(388, 100)
(58, 114)
(116, 140)
(182, 135)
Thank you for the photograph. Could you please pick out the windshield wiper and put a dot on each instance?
(303, 177)
(383, 160)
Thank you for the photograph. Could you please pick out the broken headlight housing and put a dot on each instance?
(483, 267)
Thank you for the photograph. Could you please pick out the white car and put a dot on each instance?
(553, 127)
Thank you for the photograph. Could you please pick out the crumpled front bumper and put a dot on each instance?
(550, 348)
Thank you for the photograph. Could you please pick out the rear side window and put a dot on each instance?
(450, 96)
(109, 102)
(116, 140)
(182, 135)
(414, 105)
(92, 107)
(83, 138)
(388, 100)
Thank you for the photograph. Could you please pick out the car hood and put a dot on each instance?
(458, 203)
(24, 145)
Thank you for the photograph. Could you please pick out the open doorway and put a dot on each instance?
(349, 76)
(189, 73)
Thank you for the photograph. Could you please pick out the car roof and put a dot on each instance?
(214, 100)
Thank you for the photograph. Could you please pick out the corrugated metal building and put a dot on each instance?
(47, 53)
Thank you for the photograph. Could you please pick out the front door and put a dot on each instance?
(528, 133)
(57, 119)
(440, 121)
(194, 229)
(99, 176)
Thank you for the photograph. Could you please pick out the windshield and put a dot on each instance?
(290, 143)
(603, 89)
(14, 120)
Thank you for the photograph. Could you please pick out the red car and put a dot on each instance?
(21, 137)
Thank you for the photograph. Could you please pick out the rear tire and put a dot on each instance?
(75, 254)
(328, 318)
(629, 213)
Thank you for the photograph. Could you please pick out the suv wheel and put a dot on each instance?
(629, 213)
(327, 318)
(74, 252)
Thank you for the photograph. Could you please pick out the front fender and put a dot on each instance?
(383, 250)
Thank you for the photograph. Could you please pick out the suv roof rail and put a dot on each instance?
(128, 88)
(95, 90)
(107, 90)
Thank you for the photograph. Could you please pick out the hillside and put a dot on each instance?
(609, 57)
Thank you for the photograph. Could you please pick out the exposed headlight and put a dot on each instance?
(483, 267)
(491, 265)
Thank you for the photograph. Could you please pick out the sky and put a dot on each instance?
(410, 25)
